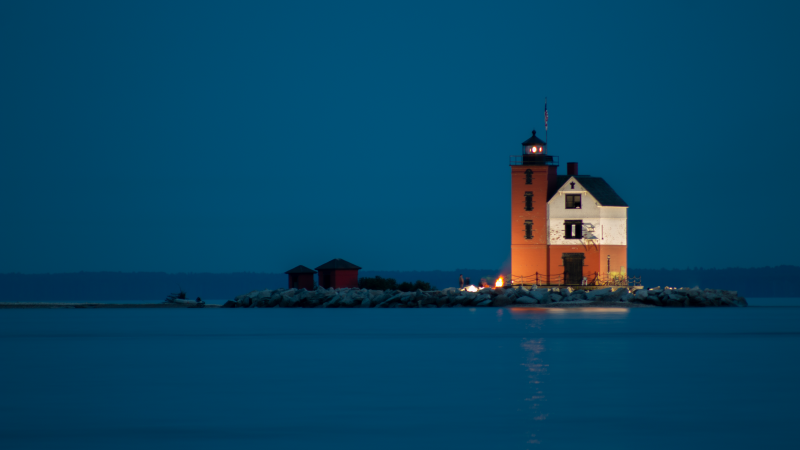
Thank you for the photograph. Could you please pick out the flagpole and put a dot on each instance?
(545, 123)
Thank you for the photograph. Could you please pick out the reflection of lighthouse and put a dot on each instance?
(536, 368)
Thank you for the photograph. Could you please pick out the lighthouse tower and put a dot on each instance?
(533, 182)
(565, 229)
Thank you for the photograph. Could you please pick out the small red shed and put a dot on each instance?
(301, 277)
(338, 273)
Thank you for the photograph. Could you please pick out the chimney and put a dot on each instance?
(572, 168)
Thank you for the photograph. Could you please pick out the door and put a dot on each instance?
(573, 268)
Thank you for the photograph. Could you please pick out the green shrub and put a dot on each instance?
(378, 283)
(383, 284)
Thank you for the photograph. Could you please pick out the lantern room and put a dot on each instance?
(534, 146)
(534, 152)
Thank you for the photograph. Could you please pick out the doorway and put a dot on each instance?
(573, 268)
(326, 280)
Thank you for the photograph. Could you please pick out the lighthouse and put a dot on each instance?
(565, 229)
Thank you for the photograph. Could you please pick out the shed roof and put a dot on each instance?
(338, 263)
(300, 269)
(600, 190)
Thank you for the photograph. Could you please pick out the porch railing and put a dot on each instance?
(596, 279)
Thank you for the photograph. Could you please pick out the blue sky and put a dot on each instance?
(255, 136)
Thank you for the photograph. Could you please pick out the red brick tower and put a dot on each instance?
(533, 180)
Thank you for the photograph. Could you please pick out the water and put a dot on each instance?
(401, 378)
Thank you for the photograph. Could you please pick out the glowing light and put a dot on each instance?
(499, 282)
(471, 288)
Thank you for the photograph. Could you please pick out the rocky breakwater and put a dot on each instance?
(452, 297)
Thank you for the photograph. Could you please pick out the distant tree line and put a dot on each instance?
(149, 286)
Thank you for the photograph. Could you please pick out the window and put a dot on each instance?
(573, 229)
(529, 201)
(528, 229)
(529, 176)
(573, 201)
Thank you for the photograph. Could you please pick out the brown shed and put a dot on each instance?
(301, 277)
(338, 273)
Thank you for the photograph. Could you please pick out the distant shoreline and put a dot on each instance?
(38, 305)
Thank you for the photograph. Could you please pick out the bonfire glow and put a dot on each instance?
(471, 288)
(499, 282)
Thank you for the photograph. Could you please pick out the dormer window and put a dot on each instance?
(573, 201)
(529, 176)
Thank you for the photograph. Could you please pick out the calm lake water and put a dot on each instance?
(401, 378)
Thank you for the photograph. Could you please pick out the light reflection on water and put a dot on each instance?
(394, 379)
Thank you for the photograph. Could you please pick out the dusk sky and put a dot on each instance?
(256, 136)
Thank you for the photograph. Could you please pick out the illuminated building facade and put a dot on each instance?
(565, 229)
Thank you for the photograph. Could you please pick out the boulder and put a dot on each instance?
(502, 300)
(652, 300)
(230, 304)
(332, 303)
(556, 297)
(542, 295)
(591, 295)
(565, 292)
(485, 303)
(525, 300)
(287, 300)
(641, 294)
(274, 300)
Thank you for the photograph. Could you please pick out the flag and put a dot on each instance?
(545, 114)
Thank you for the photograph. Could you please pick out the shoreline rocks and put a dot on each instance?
(510, 296)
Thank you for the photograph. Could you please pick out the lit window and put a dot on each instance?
(573, 201)
(573, 229)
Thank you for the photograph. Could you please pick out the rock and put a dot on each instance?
(287, 300)
(366, 303)
(245, 301)
(274, 300)
(674, 300)
(230, 304)
(332, 303)
(542, 295)
(641, 294)
(652, 300)
(525, 300)
(426, 300)
(485, 303)
(565, 292)
(502, 300)
(598, 293)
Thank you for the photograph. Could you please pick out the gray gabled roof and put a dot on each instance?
(600, 190)
(300, 269)
(338, 263)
